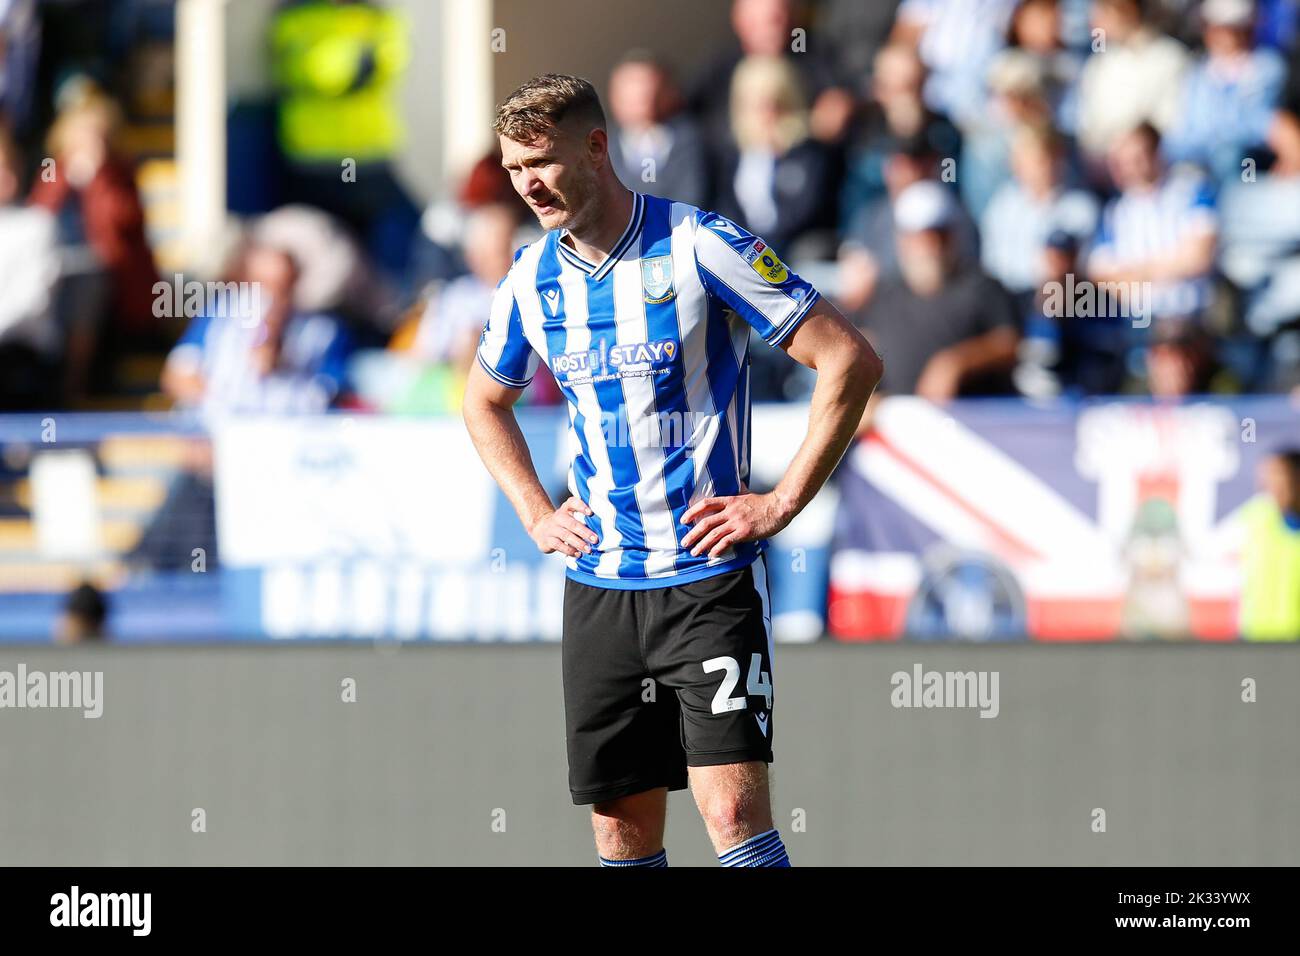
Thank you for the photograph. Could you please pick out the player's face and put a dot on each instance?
(555, 176)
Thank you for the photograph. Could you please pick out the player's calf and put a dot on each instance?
(629, 831)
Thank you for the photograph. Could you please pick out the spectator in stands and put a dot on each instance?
(869, 252)
(423, 370)
(1133, 76)
(776, 180)
(655, 148)
(956, 40)
(1180, 361)
(1062, 351)
(895, 112)
(435, 256)
(107, 275)
(338, 67)
(946, 329)
(1017, 97)
(334, 274)
(764, 28)
(1270, 557)
(264, 356)
(1229, 95)
(91, 190)
(1261, 233)
(460, 307)
(83, 616)
(29, 268)
(1025, 211)
(1160, 231)
(1037, 33)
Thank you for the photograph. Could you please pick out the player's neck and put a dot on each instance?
(595, 242)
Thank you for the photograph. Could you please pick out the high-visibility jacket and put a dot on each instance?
(1270, 592)
(338, 68)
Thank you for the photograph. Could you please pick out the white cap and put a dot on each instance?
(924, 205)
(1228, 13)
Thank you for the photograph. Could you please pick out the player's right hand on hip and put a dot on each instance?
(562, 531)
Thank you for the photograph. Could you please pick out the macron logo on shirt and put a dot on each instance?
(552, 297)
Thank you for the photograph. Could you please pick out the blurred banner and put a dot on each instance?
(391, 528)
(1004, 521)
(993, 520)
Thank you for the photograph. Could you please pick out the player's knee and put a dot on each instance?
(730, 816)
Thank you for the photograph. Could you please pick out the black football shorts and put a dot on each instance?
(660, 679)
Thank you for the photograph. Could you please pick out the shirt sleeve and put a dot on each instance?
(333, 370)
(744, 272)
(188, 352)
(998, 308)
(1201, 214)
(503, 351)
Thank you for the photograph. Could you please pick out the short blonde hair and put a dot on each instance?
(92, 105)
(543, 103)
(774, 77)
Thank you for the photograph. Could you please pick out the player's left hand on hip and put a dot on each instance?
(722, 522)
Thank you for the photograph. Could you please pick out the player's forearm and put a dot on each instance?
(839, 398)
(500, 443)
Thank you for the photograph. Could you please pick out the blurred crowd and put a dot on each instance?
(1010, 197)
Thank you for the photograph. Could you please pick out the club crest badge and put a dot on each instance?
(657, 279)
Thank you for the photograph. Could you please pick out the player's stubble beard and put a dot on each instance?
(578, 203)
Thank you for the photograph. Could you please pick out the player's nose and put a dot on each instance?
(530, 183)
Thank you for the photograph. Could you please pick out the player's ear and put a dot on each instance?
(597, 145)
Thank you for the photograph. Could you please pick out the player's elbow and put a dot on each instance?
(867, 367)
(474, 404)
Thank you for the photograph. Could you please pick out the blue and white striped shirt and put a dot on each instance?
(651, 350)
(1140, 225)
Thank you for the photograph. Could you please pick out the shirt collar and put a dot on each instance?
(620, 248)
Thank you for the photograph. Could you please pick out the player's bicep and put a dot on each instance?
(741, 270)
(482, 389)
(825, 332)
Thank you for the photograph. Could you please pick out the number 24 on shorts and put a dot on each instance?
(758, 682)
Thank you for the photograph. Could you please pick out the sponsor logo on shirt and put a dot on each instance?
(765, 262)
(605, 362)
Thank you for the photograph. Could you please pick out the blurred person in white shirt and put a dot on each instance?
(1136, 77)
(1229, 95)
(273, 359)
(424, 368)
(1161, 230)
(29, 270)
(1025, 211)
(655, 147)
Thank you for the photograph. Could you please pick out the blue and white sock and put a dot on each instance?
(766, 849)
(656, 859)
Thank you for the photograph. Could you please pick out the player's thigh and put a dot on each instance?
(622, 736)
(712, 646)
